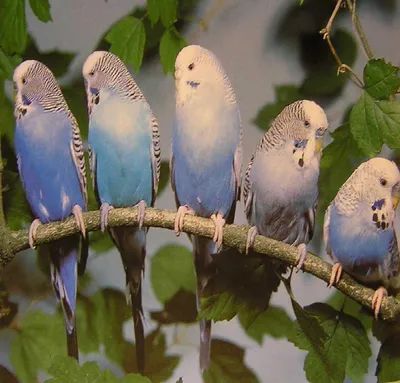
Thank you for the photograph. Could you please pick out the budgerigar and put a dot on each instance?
(358, 227)
(206, 157)
(125, 165)
(52, 168)
(281, 181)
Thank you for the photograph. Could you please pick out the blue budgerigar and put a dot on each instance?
(52, 168)
(281, 181)
(206, 157)
(358, 228)
(125, 165)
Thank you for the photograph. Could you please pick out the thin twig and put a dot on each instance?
(235, 236)
(342, 68)
(360, 31)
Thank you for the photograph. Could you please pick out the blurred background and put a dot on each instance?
(263, 46)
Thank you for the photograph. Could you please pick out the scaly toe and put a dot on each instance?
(336, 273)
(77, 212)
(32, 232)
(104, 210)
(141, 209)
(301, 256)
(251, 236)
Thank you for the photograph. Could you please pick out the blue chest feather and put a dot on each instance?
(204, 167)
(363, 246)
(42, 143)
(120, 137)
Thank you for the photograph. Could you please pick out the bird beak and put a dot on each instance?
(396, 196)
(318, 144)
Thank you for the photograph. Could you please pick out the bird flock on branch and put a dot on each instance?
(280, 184)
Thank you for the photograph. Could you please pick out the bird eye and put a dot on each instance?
(383, 182)
(191, 66)
(319, 132)
(91, 74)
(23, 80)
(306, 123)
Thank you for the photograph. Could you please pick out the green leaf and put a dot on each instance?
(75, 96)
(227, 364)
(171, 270)
(164, 177)
(41, 8)
(388, 368)
(6, 118)
(7, 65)
(127, 38)
(235, 286)
(7, 376)
(12, 26)
(159, 366)
(170, 45)
(67, 370)
(153, 11)
(373, 122)
(381, 79)
(167, 10)
(100, 242)
(285, 95)
(274, 322)
(345, 349)
(39, 338)
(339, 159)
(181, 308)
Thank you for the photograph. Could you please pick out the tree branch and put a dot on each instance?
(235, 236)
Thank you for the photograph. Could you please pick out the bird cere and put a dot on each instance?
(280, 183)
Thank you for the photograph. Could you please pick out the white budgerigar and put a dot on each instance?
(358, 228)
(206, 156)
(281, 181)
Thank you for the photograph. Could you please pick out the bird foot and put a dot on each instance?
(251, 236)
(377, 300)
(77, 212)
(301, 256)
(141, 209)
(180, 215)
(336, 273)
(32, 232)
(104, 210)
(219, 223)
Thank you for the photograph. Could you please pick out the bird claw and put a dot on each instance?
(251, 236)
(180, 215)
(219, 223)
(32, 232)
(301, 256)
(377, 300)
(77, 212)
(141, 206)
(336, 273)
(104, 210)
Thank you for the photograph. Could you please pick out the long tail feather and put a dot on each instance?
(64, 278)
(84, 255)
(131, 244)
(202, 260)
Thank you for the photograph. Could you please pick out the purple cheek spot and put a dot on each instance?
(193, 84)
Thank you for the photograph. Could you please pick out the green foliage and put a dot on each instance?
(41, 8)
(172, 270)
(67, 370)
(285, 95)
(338, 161)
(12, 26)
(235, 286)
(381, 78)
(170, 45)
(127, 38)
(39, 337)
(164, 177)
(227, 364)
(159, 366)
(163, 9)
(388, 368)
(274, 322)
(336, 342)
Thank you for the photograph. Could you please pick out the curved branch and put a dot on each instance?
(234, 236)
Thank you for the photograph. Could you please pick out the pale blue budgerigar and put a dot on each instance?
(281, 181)
(52, 169)
(206, 157)
(124, 148)
(358, 228)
